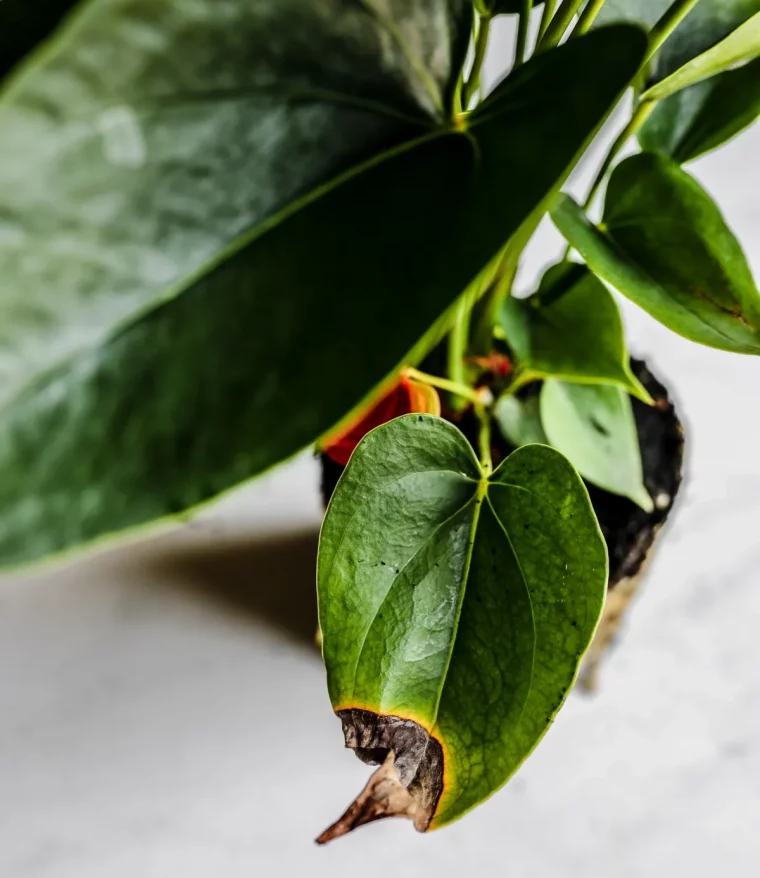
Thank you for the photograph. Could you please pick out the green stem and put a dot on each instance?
(501, 286)
(458, 338)
(484, 438)
(481, 45)
(593, 8)
(668, 23)
(640, 116)
(560, 23)
(522, 32)
(546, 17)
(444, 384)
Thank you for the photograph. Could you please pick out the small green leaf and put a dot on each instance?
(213, 219)
(709, 22)
(571, 328)
(738, 47)
(665, 245)
(704, 116)
(594, 427)
(520, 421)
(455, 609)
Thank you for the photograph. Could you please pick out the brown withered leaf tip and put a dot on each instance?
(408, 782)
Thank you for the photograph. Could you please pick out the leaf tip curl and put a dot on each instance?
(409, 781)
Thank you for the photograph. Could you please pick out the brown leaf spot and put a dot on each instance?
(384, 796)
(409, 781)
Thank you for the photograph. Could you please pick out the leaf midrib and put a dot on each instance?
(530, 602)
(435, 532)
(478, 499)
(422, 73)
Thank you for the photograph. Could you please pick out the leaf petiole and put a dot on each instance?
(484, 437)
(546, 18)
(560, 23)
(587, 17)
(522, 32)
(667, 23)
(639, 117)
(481, 46)
(454, 387)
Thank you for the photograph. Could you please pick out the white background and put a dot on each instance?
(163, 711)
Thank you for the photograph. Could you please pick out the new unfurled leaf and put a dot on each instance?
(593, 426)
(455, 608)
(665, 245)
(709, 22)
(570, 328)
(200, 277)
(704, 116)
(739, 47)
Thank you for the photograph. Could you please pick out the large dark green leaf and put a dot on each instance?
(152, 136)
(140, 158)
(570, 328)
(665, 245)
(184, 308)
(709, 22)
(593, 426)
(704, 116)
(455, 608)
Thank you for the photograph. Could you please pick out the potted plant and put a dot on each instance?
(229, 231)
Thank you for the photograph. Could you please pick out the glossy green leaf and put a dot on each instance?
(570, 328)
(148, 142)
(519, 420)
(455, 608)
(183, 307)
(665, 245)
(709, 22)
(704, 116)
(738, 47)
(593, 426)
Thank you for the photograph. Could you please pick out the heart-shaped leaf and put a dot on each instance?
(704, 116)
(593, 426)
(665, 245)
(570, 328)
(709, 22)
(455, 608)
(738, 47)
(190, 293)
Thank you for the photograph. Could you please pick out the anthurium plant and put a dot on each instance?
(233, 229)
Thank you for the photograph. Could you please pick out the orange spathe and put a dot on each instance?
(407, 396)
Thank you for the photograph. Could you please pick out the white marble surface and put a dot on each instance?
(162, 712)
